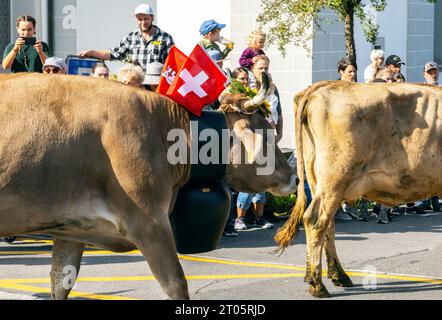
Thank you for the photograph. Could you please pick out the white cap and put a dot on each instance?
(144, 9)
(56, 62)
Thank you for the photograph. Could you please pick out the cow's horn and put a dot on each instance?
(229, 74)
(260, 96)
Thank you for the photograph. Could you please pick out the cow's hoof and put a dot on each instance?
(319, 291)
(308, 279)
(342, 281)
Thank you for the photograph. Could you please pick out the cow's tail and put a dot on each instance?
(289, 230)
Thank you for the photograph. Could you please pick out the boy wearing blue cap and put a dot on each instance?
(210, 30)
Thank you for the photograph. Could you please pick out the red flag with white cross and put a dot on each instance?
(174, 62)
(198, 83)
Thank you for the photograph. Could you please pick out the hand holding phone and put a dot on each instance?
(38, 47)
(19, 43)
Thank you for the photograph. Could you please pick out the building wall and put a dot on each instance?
(438, 32)
(328, 47)
(63, 27)
(5, 18)
(393, 32)
(420, 39)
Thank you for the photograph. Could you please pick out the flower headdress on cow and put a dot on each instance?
(237, 87)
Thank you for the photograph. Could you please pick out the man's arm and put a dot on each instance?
(98, 54)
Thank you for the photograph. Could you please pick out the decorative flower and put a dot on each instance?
(238, 87)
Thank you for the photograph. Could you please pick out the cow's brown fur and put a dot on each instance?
(380, 142)
(85, 160)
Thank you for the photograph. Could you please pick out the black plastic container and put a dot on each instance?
(199, 216)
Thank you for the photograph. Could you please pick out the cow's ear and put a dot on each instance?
(253, 142)
(229, 108)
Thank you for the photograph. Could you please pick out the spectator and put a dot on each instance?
(394, 63)
(146, 45)
(244, 201)
(22, 57)
(153, 75)
(431, 76)
(210, 31)
(100, 70)
(377, 59)
(347, 70)
(131, 74)
(384, 75)
(398, 77)
(256, 42)
(55, 65)
(262, 65)
(239, 74)
(431, 73)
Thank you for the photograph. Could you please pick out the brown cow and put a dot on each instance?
(382, 142)
(85, 160)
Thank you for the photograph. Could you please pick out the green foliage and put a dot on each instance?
(297, 21)
(281, 204)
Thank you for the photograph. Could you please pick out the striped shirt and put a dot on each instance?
(135, 48)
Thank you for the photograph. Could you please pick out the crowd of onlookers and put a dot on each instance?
(378, 72)
(145, 51)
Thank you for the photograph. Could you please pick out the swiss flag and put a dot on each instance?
(174, 61)
(198, 83)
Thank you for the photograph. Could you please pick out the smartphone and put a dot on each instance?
(30, 40)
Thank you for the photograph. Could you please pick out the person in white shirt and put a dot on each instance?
(377, 60)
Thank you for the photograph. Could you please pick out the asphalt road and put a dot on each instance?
(400, 260)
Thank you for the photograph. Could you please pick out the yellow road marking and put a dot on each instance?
(242, 263)
(73, 293)
(218, 261)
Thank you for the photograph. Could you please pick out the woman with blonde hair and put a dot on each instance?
(255, 42)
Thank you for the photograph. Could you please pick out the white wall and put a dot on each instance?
(182, 19)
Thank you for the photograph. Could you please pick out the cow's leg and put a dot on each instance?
(155, 241)
(316, 230)
(312, 210)
(66, 259)
(335, 271)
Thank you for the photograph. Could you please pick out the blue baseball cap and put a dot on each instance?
(209, 25)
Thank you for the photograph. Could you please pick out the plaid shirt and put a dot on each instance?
(135, 48)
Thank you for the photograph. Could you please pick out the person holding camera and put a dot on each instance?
(26, 54)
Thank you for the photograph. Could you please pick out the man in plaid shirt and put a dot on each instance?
(146, 45)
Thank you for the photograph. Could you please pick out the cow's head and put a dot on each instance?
(256, 163)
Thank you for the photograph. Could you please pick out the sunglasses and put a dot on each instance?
(51, 70)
